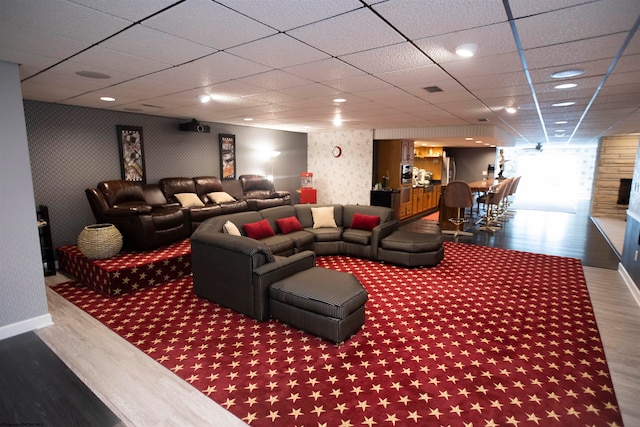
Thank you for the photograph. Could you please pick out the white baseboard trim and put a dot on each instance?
(23, 326)
(635, 292)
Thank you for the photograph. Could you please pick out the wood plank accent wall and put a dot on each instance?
(616, 160)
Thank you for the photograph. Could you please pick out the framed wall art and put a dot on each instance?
(227, 156)
(131, 153)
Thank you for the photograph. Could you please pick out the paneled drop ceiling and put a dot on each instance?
(281, 63)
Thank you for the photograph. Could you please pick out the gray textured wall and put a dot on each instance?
(72, 148)
(23, 299)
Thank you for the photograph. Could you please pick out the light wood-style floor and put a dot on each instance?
(143, 393)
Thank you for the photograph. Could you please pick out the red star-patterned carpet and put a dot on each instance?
(490, 337)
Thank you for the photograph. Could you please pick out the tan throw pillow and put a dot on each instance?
(323, 217)
(189, 200)
(220, 197)
(231, 229)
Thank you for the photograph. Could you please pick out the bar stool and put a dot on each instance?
(458, 195)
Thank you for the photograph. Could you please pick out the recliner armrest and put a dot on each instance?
(381, 231)
(128, 211)
(271, 272)
(293, 263)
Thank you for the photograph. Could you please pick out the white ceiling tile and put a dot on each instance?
(571, 53)
(209, 24)
(288, 14)
(491, 40)
(61, 18)
(324, 70)
(357, 84)
(13, 35)
(418, 19)
(222, 66)
(145, 42)
(107, 60)
(153, 87)
(485, 65)
(276, 52)
(578, 22)
(43, 90)
(130, 10)
(416, 77)
(182, 77)
(495, 80)
(314, 90)
(275, 80)
(341, 35)
(291, 83)
(400, 56)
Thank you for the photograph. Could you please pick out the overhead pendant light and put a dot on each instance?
(566, 86)
(563, 104)
(466, 50)
(567, 73)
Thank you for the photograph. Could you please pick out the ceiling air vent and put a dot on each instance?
(483, 120)
(432, 89)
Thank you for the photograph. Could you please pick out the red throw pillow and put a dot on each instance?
(258, 230)
(364, 222)
(288, 225)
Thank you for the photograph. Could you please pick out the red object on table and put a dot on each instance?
(308, 195)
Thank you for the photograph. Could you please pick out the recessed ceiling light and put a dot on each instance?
(561, 122)
(560, 131)
(93, 75)
(565, 86)
(468, 139)
(567, 73)
(204, 98)
(339, 100)
(107, 99)
(466, 50)
(511, 110)
(479, 142)
(337, 121)
(248, 119)
(563, 104)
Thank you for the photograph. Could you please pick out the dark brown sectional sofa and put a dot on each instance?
(151, 215)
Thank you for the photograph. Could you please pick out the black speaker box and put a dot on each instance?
(194, 126)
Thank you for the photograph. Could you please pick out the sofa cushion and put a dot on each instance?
(220, 197)
(361, 237)
(258, 230)
(231, 228)
(364, 222)
(288, 225)
(327, 234)
(323, 217)
(279, 244)
(189, 200)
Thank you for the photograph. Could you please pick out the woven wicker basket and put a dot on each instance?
(98, 241)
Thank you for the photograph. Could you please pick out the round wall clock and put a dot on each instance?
(336, 151)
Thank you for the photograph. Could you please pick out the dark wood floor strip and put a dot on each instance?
(39, 389)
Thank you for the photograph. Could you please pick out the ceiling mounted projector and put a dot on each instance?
(194, 126)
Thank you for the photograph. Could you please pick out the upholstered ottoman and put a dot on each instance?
(412, 249)
(323, 302)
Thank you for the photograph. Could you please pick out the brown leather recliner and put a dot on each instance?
(212, 184)
(261, 194)
(172, 186)
(144, 224)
